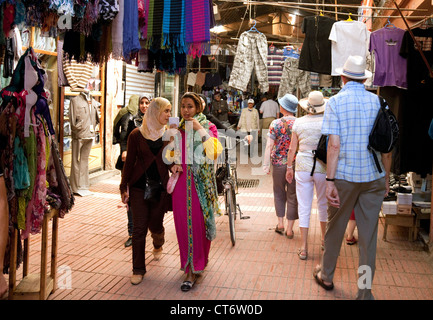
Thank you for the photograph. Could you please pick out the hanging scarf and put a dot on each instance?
(204, 179)
(152, 129)
(108, 9)
(132, 108)
(117, 33)
(131, 43)
(197, 19)
(154, 25)
(173, 26)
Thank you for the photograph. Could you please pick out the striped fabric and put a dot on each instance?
(275, 66)
(350, 114)
(78, 74)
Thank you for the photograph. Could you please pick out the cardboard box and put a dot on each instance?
(389, 207)
(404, 209)
(404, 199)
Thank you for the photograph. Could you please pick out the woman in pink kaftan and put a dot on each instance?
(194, 204)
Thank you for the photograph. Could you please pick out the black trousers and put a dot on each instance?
(146, 215)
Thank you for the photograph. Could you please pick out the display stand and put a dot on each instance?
(35, 286)
(402, 220)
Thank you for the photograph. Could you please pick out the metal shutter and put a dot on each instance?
(138, 82)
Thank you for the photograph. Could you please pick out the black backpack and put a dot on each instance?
(320, 152)
(384, 134)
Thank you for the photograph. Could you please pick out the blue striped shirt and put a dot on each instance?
(351, 114)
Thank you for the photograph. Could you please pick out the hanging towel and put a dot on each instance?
(197, 25)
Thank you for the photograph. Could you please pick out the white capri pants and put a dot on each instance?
(305, 184)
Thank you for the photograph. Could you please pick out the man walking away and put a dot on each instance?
(352, 178)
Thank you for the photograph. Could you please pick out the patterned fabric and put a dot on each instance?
(294, 78)
(108, 9)
(275, 65)
(252, 52)
(198, 17)
(351, 114)
(204, 177)
(282, 138)
(308, 131)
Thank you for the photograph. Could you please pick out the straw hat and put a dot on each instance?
(315, 103)
(354, 68)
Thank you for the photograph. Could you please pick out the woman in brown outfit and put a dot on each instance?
(144, 161)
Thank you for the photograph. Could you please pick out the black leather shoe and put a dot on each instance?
(128, 242)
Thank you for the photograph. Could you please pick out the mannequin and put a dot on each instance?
(83, 117)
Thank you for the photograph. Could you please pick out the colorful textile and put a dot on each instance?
(173, 25)
(204, 175)
(191, 230)
(282, 138)
(197, 17)
(131, 43)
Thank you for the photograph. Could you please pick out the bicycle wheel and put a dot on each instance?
(231, 211)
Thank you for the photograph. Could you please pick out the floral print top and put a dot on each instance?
(282, 138)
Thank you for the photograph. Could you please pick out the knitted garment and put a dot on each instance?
(173, 25)
(131, 43)
(198, 21)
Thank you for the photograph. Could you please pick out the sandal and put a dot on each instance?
(351, 241)
(320, 281)
(290, 236)
(302, 254)
(279, 230)
(187, 285)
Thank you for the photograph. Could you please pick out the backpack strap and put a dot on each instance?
(314, 164)
(376, 160)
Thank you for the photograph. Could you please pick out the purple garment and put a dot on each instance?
(390, 67)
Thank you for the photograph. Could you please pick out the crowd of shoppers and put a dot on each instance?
(343, 186)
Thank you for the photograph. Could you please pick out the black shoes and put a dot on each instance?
(128, 242)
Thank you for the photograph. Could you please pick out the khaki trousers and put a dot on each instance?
(366, 198)
(267, 122)
(79, 177)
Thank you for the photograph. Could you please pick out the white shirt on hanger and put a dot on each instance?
(348, 38)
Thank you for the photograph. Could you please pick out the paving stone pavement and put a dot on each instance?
(263, 265)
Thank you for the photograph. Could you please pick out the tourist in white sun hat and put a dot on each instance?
(352, 178)
(306, 133)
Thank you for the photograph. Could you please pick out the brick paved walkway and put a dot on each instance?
(263, 265)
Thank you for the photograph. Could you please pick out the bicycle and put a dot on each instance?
(227, 178)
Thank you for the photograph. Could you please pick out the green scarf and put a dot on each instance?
(132, 108)
(204, 177)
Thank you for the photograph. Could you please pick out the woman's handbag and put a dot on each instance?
(172, 182)
(153, 189)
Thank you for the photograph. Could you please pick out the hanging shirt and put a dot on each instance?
(390, 67)
(417, 71)
(316, 50)
(275, 65)
(348, 38)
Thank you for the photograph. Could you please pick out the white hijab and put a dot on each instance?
(151, 128)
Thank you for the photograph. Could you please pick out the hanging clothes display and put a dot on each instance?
(293, 78)
(390, 67)
(316, 50)
(416, 118)
(348, 38)
(275, 65)
(32, 163)
(251, 52)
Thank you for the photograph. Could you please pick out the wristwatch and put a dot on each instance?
(329, 179)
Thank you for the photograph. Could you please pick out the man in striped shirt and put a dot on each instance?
(353, 180)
